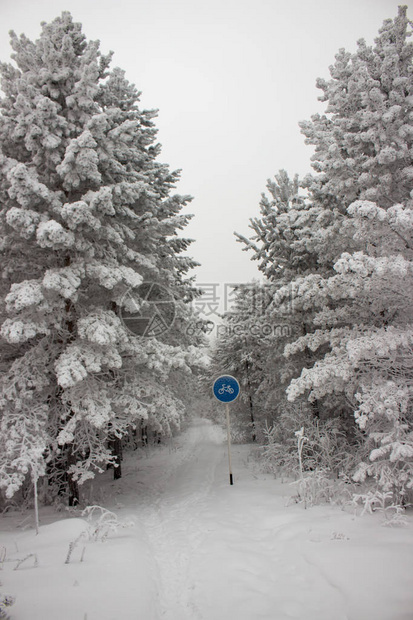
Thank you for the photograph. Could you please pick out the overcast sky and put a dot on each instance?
(231, 80)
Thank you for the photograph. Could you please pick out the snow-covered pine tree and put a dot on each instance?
(365, 320)
(353, 295)
(286, 244)
(278, 240)
(362, 321)
(87, 215)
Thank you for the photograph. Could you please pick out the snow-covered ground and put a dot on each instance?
(201, 549)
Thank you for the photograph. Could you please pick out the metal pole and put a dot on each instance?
(229, 446)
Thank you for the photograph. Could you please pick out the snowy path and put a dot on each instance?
(204, 550)
(215, 554)
(172, 517)
(225, 552)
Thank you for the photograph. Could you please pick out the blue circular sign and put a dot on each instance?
(226, 389)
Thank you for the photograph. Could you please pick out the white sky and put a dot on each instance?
(231, 80)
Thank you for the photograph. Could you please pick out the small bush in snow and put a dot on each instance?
(101, 522)
(324, 445)
(106, 522)
(74, 544)
(5, 601)
(318, 487)
(27, 557)
(381, 501)
(316, 452)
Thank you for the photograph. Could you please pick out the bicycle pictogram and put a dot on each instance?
(226, 388)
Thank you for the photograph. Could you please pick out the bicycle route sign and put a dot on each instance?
(226, 389)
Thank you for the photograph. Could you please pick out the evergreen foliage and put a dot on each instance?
(87, 215)
(348, 256)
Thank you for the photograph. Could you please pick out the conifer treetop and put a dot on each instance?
(364, 140)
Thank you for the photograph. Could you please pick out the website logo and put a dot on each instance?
(148, 310)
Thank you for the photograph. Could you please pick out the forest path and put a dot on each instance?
(217, 554)
(173, 515)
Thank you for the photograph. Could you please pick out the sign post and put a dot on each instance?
(229, 446)
(226, 389)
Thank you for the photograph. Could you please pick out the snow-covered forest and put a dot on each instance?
(336, 251)
(107, 369)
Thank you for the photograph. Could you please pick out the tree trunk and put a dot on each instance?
(254, 435)
(115, 444)
(71, 459)
(72, 484)
(315, 408)
(36, 498)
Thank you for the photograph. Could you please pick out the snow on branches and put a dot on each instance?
(87, 215)
(340, 258)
